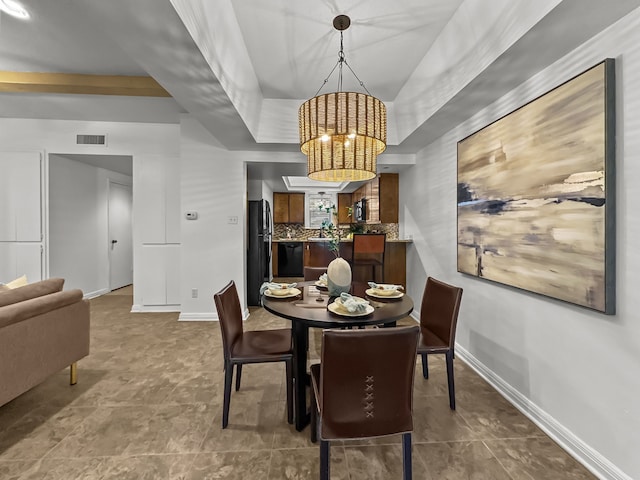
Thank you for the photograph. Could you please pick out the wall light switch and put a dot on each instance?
(232, 220)
(191, 215)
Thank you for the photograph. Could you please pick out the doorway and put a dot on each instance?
(120, 236)
(78, 240)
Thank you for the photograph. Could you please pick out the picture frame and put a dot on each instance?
(536, 194)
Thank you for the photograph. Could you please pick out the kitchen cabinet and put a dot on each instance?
(317, 254)
(345, 203)
(381, 194)
(395, 263)
(288, 207)
(388, 193)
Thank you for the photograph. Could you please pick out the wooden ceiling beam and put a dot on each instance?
(73, 83)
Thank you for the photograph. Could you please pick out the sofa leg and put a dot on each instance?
(73, 373)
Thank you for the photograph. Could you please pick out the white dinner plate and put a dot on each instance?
(371, 292)
(337, 308)
(321, 284)
(293, 292)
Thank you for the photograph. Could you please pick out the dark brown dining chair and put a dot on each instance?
(240, 347)
(363, 388)
(313, 273)
(438, 319)
(368, 249)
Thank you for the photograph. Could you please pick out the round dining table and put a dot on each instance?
(309, 308)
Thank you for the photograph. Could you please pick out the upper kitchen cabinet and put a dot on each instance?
(388, 193)
(345, 204)
(381, 194)
(288, 207)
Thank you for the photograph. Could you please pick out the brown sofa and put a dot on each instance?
(43, 329)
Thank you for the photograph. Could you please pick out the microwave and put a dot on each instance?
(360, 210)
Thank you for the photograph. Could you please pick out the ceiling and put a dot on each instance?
(242, 68)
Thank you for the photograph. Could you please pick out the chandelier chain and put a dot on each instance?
(342, 60)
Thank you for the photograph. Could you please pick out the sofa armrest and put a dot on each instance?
(17, 312)
(33, 290)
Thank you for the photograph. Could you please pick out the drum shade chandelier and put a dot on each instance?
(342, 133)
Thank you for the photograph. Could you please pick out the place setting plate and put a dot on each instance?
(291, 292)
(377, 294)
(321, 285)
(337, 308)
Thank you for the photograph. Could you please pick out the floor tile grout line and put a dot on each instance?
(498, 460)
(48, 452)
(481, 439)
(270, 462)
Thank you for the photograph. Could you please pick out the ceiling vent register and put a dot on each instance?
(91, 140)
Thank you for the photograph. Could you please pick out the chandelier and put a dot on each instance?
(342, 133)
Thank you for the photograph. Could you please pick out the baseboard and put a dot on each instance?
(154, 308)
(206, 316)
(97, 293)
(574, 446)
(198, 317)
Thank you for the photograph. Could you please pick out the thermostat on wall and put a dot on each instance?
(191, 215)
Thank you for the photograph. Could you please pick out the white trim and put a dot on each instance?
(154, 308)
(595, 462)
(206, 316)
(96, 293)
(198, 317)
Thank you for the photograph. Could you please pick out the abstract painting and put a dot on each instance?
(536, 194)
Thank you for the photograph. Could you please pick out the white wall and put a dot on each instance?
(213, 252)
(573, 369)
(147, 143)
(78, 224)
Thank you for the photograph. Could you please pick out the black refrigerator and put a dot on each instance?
(258, 249)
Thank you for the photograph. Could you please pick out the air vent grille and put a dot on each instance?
(91, 139)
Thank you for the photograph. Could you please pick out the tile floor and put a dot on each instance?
(148, 404)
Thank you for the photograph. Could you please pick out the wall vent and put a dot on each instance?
(91, 140)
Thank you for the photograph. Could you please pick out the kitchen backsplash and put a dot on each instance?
(298, 232)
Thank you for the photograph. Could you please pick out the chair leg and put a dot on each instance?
(228, 376)
(314, 417)
(238, 376)
(73, 373)
(425, 365)
(452, 393)
(324, 460)
(288, 368)
(407, 467)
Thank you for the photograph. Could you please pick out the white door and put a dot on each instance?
(120, 237)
